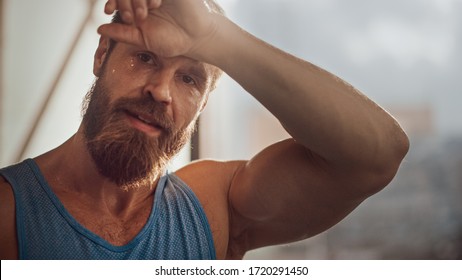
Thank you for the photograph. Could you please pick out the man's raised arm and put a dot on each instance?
(344, 147)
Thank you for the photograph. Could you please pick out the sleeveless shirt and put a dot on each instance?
(177, 227)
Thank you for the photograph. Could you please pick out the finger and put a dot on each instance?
(140, 7)
(154, 4)
(126, 10)
(110, 7)
(123, 33)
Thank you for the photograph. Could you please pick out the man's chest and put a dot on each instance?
(118, 230)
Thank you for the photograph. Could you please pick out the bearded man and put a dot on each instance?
(105, 193)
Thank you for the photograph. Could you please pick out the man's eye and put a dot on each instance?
(188, 80)
(146, 58)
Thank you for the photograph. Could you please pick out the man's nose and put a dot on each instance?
(158, 87)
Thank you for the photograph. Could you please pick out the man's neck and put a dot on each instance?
(71, 172)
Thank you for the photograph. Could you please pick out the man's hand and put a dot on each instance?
(168, 28)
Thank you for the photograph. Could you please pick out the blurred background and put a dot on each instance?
(403, 54)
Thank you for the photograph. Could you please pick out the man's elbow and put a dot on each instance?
(387, 164)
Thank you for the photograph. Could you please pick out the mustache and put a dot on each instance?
(147, 110)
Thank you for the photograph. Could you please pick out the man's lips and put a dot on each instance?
(144, 122)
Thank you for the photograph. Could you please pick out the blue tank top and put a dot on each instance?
(177, 227)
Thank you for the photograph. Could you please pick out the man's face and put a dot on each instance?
(140, 112)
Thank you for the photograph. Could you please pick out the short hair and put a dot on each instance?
(212, 4)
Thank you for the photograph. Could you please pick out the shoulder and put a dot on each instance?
(6, 198)
(218, 173)
(6, 193)
(8, 241)
(211, 181)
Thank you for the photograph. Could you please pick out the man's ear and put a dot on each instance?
(100, 55)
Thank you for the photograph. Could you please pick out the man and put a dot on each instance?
(104, 193)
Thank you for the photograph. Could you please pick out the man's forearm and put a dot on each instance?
(318, 109)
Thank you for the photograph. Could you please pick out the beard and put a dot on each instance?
(126, 156)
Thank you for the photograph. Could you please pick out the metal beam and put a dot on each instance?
(55, 83)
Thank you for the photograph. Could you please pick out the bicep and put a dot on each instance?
(285, 193)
